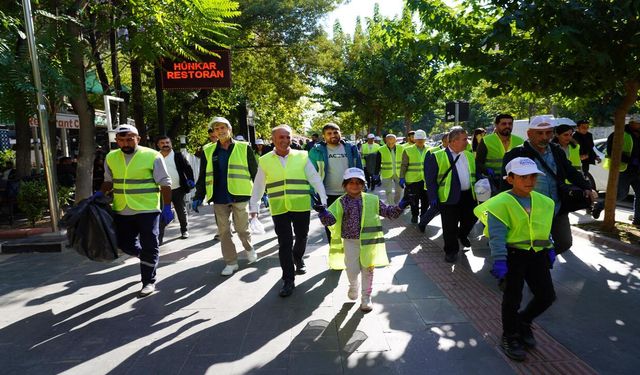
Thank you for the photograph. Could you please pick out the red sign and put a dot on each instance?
(212, 72)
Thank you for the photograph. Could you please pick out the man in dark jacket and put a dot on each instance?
(585, 140)
(539, 147)
(182, 182)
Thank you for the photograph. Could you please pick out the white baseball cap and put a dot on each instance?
(634, 118)
(239, 137)
(259, 141)
(420, 134)
(390, 135)
(354, 173)
(522, 167)
(220, 120)
(378, 138)
(125, 128)
(541, 122)
(370, 136)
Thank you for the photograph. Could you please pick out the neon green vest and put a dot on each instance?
(526, 231)
(496, 151)
(386, 167)
(574, 156)
(287, 187)
(133, 183)
(627, 147)
(364, 151)
(238, 176)
(373, 252)
(415, 169)
(443, 165)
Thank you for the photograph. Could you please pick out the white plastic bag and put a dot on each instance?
(255, 226)
(483, 189)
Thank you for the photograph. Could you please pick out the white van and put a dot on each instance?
(520, 128)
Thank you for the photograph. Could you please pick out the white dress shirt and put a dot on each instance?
(462, 166)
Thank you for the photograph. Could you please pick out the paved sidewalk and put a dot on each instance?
(60, 313)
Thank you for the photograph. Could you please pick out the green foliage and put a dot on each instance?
(7, 156)
(33, 200)
(65, 196)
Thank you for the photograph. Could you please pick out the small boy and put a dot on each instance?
(518, 225)
(357, 240)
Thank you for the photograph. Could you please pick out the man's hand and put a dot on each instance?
(191, 183)
(97, 194)
(591, 194)
(490, 172)
(403, 183)
(167, 213)
(499, 270)
(195, 203)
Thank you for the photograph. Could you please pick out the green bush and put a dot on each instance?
(7, 156)
(65, 196)
(33, 200)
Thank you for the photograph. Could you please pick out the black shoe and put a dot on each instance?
(526, 336)
(287, 289)
(414, 219)
(301, 269)
(451, 257)
(422, 227)
(595, 212)
(465, 241)
(512, 348)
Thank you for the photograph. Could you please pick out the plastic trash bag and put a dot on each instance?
(255, 226)
(90, 229)
(483, 189)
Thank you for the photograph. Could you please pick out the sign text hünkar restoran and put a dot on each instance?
(212, 73)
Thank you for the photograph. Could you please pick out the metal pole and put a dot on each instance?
(42, 117)
(36, 149)
(64, 139)
(457, 112)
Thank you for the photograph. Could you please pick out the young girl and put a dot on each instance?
(357, 240)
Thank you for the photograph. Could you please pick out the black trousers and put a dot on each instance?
(457, 221)
(420, 203)
(177, 198)
(138, 236)
(370, 183)
(286, 226)
(561, 232)
(330, 200)
(532, 267)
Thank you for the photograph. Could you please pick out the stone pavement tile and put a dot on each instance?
(390, 294)
(371, 363)
(438, 310)
(399, 317)
(323, 362)
(318, 335)
(210, 364)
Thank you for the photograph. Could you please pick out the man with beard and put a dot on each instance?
(552, 160)
(181, 183)
(138, 177)
(491, 149)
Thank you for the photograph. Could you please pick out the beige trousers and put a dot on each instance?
(238, 211)
(389, 185)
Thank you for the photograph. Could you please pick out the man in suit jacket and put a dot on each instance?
(450, 174)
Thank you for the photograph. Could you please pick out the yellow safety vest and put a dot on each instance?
(496, 151)
(525, 231)
(574, 156)
(415, 168)
(364, 151)
(133, 183)
(373, 252)
(627, 147)
(443, 165)
(288, 188)
(238, 176)
(386, 167)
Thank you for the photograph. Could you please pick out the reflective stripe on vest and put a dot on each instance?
(627, 147)
(386, 166)
(526, 231)
(443, 165)
(133, 184)
(496, 151)
(367, 149)
(373, 252)
(415, 168)
(238, 177)
(287, 187)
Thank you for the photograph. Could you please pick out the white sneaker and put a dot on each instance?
(185, 235)
(353, 292)
(147, 290)
(366, 304)
(252, 256)
(229, 270)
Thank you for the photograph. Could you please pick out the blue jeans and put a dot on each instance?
(138, 236)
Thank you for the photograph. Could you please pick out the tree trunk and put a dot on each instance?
(23, 137)
(407, 121)
(136, 98)
(631, 95)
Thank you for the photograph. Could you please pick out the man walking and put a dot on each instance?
(412, 175)
(585, 140)
(226, 176)
(450, 175)
(492, 148)
(138, 178)
(388, 167)
(287, 174)
(369, 151)
(182, 182)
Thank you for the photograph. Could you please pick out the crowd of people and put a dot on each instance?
(523, 219)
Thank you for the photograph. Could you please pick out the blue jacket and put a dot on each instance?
(320, 159)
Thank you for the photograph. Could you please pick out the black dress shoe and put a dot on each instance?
(287, 289)
(465, 241)
(301, 269)
(451, 257)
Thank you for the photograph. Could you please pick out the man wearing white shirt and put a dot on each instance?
(288, 174)
(450, 174)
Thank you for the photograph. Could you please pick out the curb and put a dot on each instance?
(610, 243)
(11, 234)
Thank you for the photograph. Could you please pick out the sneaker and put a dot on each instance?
(185, 235)
(147, 290)
(512, 348)
(252, 256)
(229, 269)
(301, 268)
(353, 292)
(526, 336)
(597, 209)
(366, 305)
(216, 237)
